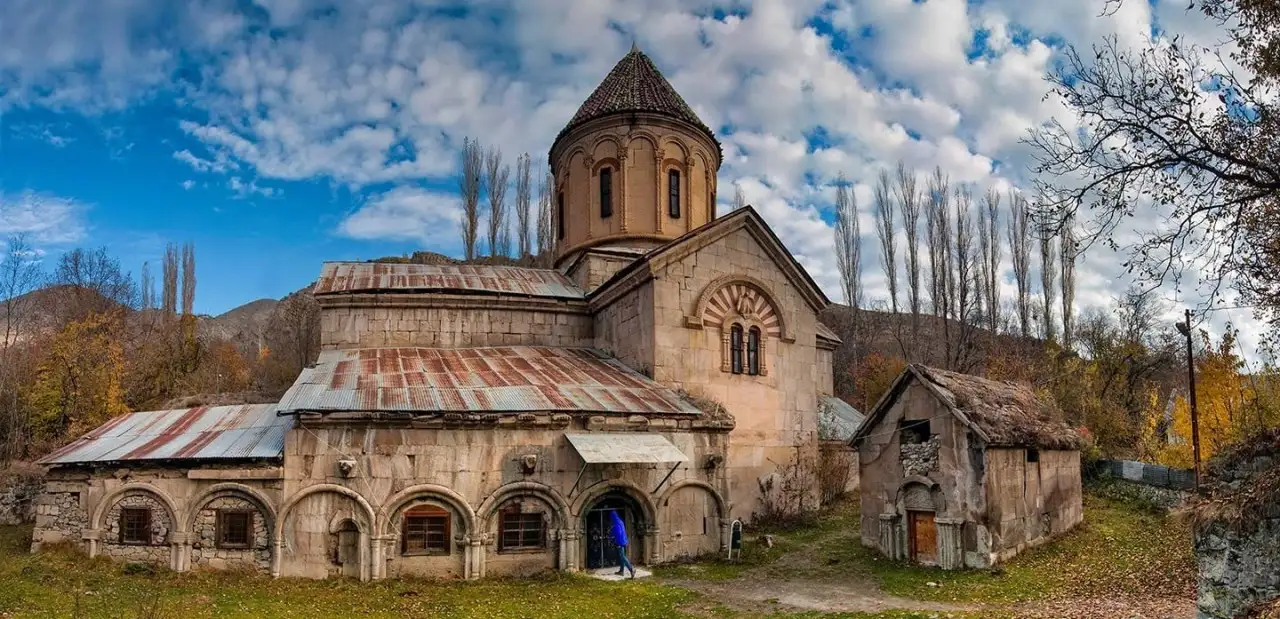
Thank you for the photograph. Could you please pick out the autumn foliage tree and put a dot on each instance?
(79, 381)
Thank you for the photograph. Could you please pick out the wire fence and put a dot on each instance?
(1149, 474)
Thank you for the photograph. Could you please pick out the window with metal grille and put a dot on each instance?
(522, 531)
(425, 531)
(735, 348)
(606, 192)
(753, 351)
(233, 528)
(560, 216)
(135, 525)
(673, 193)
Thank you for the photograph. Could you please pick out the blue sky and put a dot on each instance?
(275, 134)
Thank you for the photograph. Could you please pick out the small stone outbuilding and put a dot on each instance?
(961, 471)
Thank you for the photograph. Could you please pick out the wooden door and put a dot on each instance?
(922, 532)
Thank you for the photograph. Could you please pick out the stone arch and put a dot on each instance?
(367, 509)
(682, 149)
(545, 493)
(918, 493)
(621, 486)
(642, 134)
(721, 505)
(109, 501)
(743, 295)
(428, 492)
(693, 519)
(204, 545)
(242, 491)
(617, 145)
(604, 162)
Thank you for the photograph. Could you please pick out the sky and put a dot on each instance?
(276, 134)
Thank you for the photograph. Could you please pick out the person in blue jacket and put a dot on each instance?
(619, 534)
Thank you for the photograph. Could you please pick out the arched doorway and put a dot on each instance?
(597, 524)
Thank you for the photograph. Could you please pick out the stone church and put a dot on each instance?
(465, 420)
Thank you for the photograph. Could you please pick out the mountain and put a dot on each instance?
(242, 325)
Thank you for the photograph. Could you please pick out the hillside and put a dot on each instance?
(242, 325)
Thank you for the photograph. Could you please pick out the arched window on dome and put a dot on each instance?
(606, 192)
(560, 216)
(753, 351)
(673, 194)
(735, 348)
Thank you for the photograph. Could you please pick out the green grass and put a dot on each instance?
(1119, 548)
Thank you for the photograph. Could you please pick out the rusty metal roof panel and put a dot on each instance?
(349, 277)
(496, 379)
(246, 431)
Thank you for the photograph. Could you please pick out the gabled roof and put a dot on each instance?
(241, 432)
(745, 217)
(507, 379)
(634, 85)
(1002, 414)
(354, 277)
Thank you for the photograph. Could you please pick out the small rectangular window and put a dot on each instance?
(135, 525)
(673, 194)
(560, 216)
(522, 531)
(425, 532)
(233, 528)
(606, 192)
(753, 351)
(914, 431)
(1033, 455)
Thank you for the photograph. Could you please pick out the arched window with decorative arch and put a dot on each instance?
(673, 194)
(606, 192)
(735, 348)
(753, 351)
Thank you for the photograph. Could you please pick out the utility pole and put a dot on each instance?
(1185, 329)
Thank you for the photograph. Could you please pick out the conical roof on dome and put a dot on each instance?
(635, 85)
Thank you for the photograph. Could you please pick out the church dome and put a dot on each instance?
(634, 168)
(634, 85)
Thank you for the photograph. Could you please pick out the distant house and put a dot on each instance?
(961, 471)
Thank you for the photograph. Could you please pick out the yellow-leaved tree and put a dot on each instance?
(78, 381)
(1225, 401)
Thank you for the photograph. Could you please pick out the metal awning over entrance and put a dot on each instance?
(625, 448)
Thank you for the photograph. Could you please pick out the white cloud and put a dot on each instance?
(188, 184)
(249, 188)
(406, 214)
(381, 93)
(45, 219)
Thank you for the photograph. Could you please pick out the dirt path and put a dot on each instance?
(756, 593)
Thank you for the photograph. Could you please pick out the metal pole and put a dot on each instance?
(1195, 416)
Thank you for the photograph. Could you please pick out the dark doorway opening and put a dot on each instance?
(597, 524)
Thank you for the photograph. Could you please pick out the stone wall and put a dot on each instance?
(472, 474)
(1239, 562)
(157, 551)
(18, 498)
(920, 458)
(343, 325)
(1030, 501)
(204, 546)
(60, 517)
(773, 413)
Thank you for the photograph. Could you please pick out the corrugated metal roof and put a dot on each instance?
(339, 277)
(245, 431)
(837, 419)
(496, 379)
(625, 448)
